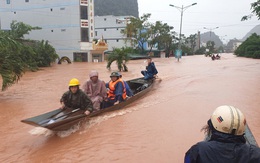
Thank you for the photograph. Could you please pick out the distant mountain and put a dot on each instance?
(210, 36)
(256, 30)
(116, 7)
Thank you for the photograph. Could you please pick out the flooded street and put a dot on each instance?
(159, 127)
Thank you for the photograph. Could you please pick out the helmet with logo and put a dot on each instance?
(229, 120)
(74, 82)
(115, 74)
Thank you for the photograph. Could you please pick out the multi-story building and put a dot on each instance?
(109, 28)
(68, 25)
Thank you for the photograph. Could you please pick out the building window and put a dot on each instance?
(117, 29)
(62, 8)
(8, 1)
(105, 29)
(117, 40)
(84, 2)
(95, 33)
(84, 35)
(51, 30)
(83, 12)
(51, 9)
(63, 30)
(105, 19)
(26, 0)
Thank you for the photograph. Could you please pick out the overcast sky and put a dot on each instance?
(225, 14)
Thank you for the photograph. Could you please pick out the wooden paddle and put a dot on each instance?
(51, 120)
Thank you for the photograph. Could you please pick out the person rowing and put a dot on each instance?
(72, 101)
(75, 98)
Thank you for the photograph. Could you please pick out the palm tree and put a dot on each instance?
(18, 55)
(46, 53)
(11, 65)
(121, 56)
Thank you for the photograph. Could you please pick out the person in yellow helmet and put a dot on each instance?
(75, 98)
(227, 143)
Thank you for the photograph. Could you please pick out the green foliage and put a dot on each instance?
(160, 34)
(138, 31)
(192, 42)
(250, 47)
(45, 52)
(18, 55)
(201, 50)
(19, 29)
(210, 45)
(11, 66)
(121, 56)
(255, 7)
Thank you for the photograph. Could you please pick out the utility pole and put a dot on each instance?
(181, 9)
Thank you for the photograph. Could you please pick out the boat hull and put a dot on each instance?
(50, 120)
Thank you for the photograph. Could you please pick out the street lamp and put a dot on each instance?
(210, 42)
(222, 38)
(210, 29)
(181, 9)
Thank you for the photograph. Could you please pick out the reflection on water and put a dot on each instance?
(158, 127)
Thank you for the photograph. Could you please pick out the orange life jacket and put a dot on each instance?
(111, 92)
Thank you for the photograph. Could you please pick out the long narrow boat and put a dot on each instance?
(58, 120)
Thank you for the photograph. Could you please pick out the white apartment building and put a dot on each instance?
(68, 25)
(109, 28)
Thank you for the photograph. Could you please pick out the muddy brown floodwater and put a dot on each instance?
(158, 128)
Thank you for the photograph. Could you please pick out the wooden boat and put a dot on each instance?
(58, 120)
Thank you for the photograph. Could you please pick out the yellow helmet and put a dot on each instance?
(74, 82)
(228, 119)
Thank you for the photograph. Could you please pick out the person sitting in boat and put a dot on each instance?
(116, 90)
(95, 89)
(75, 98)
(226, 143)
(213, 57)
(129, 92)
(217, 56)
(150, 71)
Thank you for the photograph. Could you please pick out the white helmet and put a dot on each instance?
(230, 120)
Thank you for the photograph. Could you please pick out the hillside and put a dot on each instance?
(211, 36)
(116, 7)
(256, 30)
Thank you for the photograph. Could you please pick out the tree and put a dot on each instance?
(121, 56)
(46, 54)
(255, 7)
(192, 42)
(19, 29)
(160, 34)
(250, 47)
(138, 31)
(210, 45)
(18, 55)
(11, 66)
